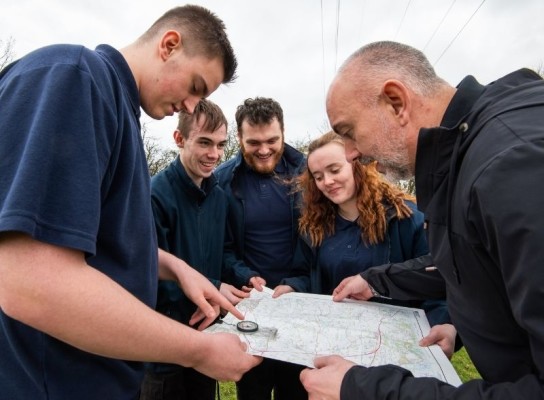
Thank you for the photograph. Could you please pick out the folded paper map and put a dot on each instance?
(297, 327)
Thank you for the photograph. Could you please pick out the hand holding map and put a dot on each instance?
(298, 327)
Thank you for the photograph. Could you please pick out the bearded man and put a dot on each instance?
(263, 221)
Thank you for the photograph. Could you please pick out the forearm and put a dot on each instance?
(239, 274)
(395, 382)
(414, 279)
(168, 263)
(390, 381)
(58, 293)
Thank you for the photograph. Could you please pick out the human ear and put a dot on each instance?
(397, 98)
(178, 138)
(170, 41)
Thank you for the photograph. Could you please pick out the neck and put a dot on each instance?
(348, 214)
(429, 113)
(197, 180)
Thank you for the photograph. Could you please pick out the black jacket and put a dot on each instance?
(479, 181)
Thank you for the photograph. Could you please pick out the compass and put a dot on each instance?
(247, 326)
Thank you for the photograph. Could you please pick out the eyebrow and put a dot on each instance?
(327, 167)
(208, 140)
(253, 141)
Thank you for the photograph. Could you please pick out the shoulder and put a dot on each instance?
(162, 180)
(413, 206)
(224, 172)
(44, 66)
(414, 221)
(61, 56)
(72, 69)
(295, 159)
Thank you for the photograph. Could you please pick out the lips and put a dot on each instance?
(208, 165)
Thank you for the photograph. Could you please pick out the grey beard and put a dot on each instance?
(366, 160)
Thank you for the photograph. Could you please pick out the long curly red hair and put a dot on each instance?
(375, 196)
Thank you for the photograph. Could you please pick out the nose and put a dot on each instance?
(214, 153)
(263, 149)
(328, 179)
(190, 103)
(351, 151)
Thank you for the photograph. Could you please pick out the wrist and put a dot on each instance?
(377, 294)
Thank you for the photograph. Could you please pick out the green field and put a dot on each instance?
(464, 367)
(460, 361)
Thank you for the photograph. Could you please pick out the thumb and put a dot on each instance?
(321, 362)
(428, 340)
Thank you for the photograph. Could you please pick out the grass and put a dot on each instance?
(461, 362)
(227, 390)
(464, 367)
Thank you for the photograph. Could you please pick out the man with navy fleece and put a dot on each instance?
(190, 212)
(263, 222)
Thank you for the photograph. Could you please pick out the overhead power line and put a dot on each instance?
(361, 24)
(458, 33)
(336, 36)
(439, 25)
(323, 51)
(402, 20)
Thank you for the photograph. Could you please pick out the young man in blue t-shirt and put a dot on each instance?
(78, 253)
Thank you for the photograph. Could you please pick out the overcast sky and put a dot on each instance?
(290, 49)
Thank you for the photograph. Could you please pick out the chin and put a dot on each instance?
(155, 114)
(263, 169)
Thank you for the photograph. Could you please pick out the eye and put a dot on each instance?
(345, 134)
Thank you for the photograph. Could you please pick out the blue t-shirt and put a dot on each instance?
(74, 174)
(268, 225)
(343, 254)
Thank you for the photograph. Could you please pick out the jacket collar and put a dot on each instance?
(435, 145)
(199, 192)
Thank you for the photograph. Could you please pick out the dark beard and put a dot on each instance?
(249, 158)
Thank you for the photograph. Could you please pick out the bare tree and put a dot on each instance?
(408, 186)
(302, 144)
(6, 52)
(540, 69)
(233, 145)
(157, 157)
